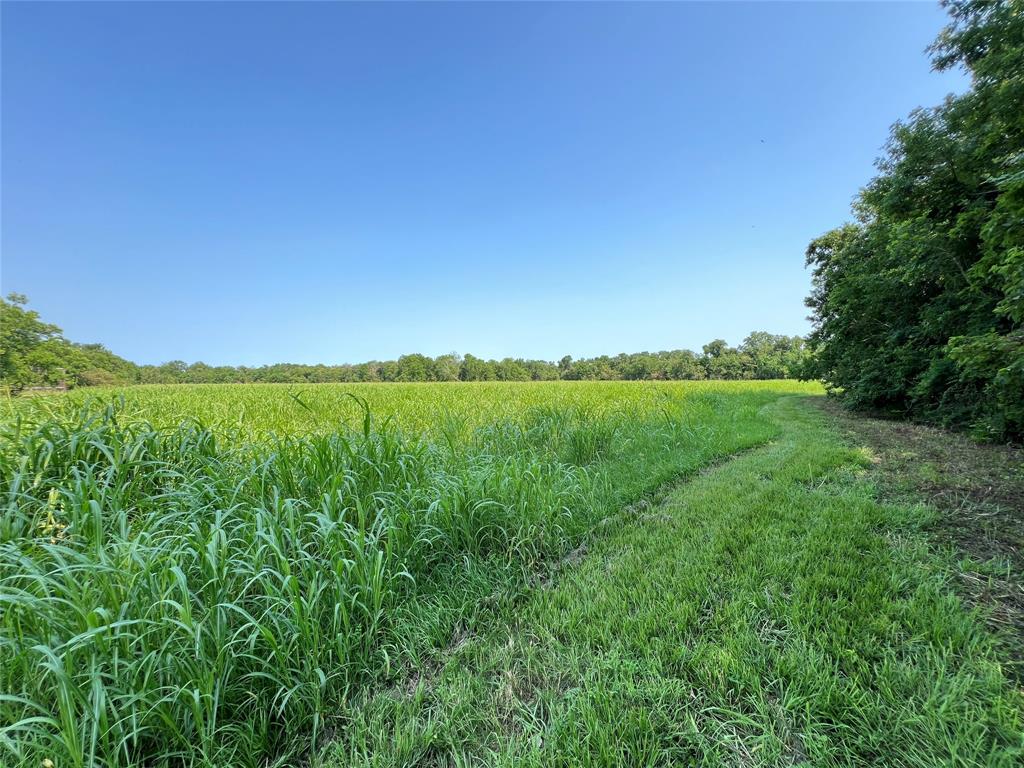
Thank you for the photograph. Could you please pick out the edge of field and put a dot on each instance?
(772, 609)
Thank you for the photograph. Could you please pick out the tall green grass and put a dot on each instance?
(181, 595)
(251, 412)
(771, 613)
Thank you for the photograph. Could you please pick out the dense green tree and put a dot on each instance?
(415, 368)
(35, 353)
(919, 303)
(447, 367)
(684, 365)
(541, 370)
(511, 370)
(721, 361)
(475, 369)
(769, 356)
(21, 334)
(98, 366)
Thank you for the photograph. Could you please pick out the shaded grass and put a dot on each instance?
(977, 492)
(772, 612)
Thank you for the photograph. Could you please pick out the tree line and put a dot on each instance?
(34, 353)
(919, 302)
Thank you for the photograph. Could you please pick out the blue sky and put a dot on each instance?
(255, 183)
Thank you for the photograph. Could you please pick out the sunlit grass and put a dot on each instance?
(205, 575)
(256, 410)
(771, 612)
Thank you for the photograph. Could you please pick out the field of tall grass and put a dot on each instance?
(207, 575)
(251, 412)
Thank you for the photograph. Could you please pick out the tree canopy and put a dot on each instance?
(919, 303)
(34, 353)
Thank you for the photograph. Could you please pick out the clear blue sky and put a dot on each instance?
(245, 184)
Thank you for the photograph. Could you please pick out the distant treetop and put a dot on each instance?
(35, 354)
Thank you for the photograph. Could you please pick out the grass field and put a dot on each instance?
(254, 411)
(549, 574)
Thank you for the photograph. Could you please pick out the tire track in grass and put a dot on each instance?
(771, 613)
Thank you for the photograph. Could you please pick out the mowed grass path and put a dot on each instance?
(769, 613)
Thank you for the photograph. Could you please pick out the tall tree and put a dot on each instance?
(27, 354)
(918, 305)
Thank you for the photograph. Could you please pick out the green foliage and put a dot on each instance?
(919, 305)
(35, 354)
(26, 355)
(761, 356)
(40, 356)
